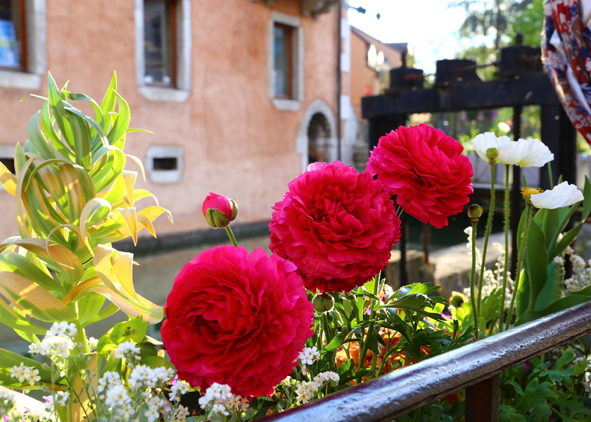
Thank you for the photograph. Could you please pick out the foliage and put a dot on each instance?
(537, 296)
(73, 198)
(369, 332)
(546, 388)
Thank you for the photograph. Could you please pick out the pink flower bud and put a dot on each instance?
(219, 210)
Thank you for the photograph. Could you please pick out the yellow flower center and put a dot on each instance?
(526, 193)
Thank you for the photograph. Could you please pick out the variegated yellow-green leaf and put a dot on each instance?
(32, 299)
(7, 180)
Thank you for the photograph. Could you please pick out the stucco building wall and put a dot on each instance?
(235, 141)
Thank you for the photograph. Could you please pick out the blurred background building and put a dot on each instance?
(239, 98)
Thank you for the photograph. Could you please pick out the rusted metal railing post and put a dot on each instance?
(482, 401)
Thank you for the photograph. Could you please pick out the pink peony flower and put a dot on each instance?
(424, 168)
(219, 210)
(237, 318)
(338, 227)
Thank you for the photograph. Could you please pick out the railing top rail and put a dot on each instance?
(409, 388)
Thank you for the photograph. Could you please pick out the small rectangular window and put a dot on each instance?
(283, 55)
(12, 34)
(159, 42)
(8, 163)
(165, 163)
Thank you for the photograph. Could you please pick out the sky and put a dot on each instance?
(427, 25)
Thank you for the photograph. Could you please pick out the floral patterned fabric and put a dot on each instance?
(566, 51)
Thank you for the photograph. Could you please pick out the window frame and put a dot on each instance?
(22, 36)
(34, 55)
(173, 47)
(296, 66)
(180, 87)
(165, 176)
(290, 59)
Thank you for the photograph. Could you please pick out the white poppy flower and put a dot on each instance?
(484, 141)
(563, 195)
(528, 152)
(524, 153)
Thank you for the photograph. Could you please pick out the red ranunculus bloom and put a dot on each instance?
(338, 227)
(426, 171)
(237, 318)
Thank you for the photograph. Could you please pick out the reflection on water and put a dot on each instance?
(154, 277)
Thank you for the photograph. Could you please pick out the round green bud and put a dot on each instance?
(323, 302)
(475, 212)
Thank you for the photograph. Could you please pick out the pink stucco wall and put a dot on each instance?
(235, 141)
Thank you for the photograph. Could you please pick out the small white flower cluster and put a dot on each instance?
(127, 350)
(57, 342)
(493, 279)
(141, 395)
(218, 401)
(25, 374)
(142, 377)
(581, 274)
(61, 398)
(306, 391)
(309, 355)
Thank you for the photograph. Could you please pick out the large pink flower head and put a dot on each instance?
(237, 318)
(338, 227)
(426, 171)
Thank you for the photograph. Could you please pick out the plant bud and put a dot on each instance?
(492, 154)
(323, 302)
(475, 212)
(219, 210)
(457, 299)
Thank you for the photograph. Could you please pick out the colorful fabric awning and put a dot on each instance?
(566, 50)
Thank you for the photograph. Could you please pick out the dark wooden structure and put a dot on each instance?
(457, 88)
(475, 367)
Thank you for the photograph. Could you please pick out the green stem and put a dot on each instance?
(506, 265)
(473, 276)
(491, 212)
(519, 262)
(231, 236)
(364, 347)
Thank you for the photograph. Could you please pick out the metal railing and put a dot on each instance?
(475, 367)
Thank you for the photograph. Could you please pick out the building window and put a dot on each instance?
(286, 61)
(165, 164)
(12, 34)
(23, 56)
(163, 51)
(159, 42)
(283, 57)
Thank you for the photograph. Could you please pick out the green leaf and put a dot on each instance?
(567, 357)
(335, 343)
(10, 359)
(156, 361)
(133, 330)
(587, 200)
(12, 319)
(112, 309)
(536, 261)
(566, 240)
(561, 304)
(117, 133)
(548, 294)
(37, 138)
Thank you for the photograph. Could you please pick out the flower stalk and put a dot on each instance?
(519, 263)
(231, 236)
(492, 155)
(473, 276)
(506, 265)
